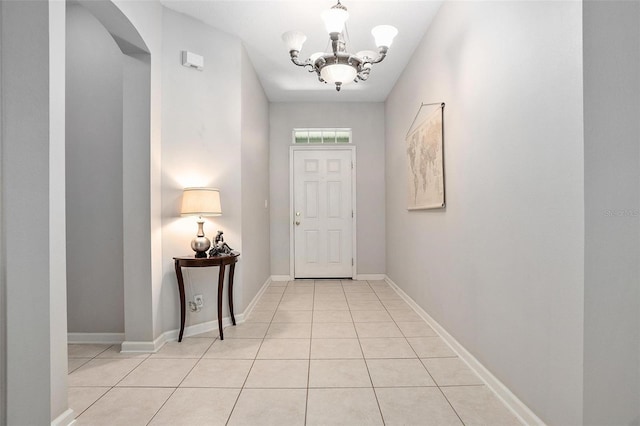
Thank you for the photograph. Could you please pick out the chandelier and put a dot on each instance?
(338, 66)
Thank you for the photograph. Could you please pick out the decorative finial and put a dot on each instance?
(339, 6)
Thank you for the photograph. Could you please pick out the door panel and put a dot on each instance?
(323, 213)
(334, 198)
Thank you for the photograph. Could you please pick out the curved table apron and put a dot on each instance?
(192, 262)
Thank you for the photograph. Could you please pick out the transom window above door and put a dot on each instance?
(321, 136)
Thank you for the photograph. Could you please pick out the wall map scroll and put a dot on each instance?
(425, 162)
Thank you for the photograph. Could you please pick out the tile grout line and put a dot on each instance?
(366, 364)
(100, 397)
(450, 405)
(420, 360)
(175, 389)
(437, 385)
(313, 306)
(96, 357)
(183, 379)
(417, 357)
(254, 359)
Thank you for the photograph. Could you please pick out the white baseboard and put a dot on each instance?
(151, 346)
(115, 339)
(144, 346)
(281, 278)
(203, 327)
(172, 335)
(193, 330)
(370, 277)
(107, 338)
(518, 407)
(65, 419)
(256, 298)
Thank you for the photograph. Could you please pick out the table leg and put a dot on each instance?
(231, 271)
(182, 301)
(220, 287)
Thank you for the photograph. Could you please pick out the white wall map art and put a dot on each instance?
(425, 163)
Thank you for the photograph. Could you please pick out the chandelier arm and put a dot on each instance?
(382, 53)
(296, 60)
(364, 74)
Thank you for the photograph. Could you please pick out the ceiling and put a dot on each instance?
(260, 24)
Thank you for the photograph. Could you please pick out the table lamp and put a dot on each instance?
(201, 202)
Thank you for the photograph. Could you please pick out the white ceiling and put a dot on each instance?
(260, 24)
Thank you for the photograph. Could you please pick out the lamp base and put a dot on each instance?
(200, 244)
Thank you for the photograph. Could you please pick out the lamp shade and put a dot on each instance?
(384, 35)
(201, 202)
(338, 73)
(334, 19)
(294, 40)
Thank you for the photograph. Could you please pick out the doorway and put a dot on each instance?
(323, 212)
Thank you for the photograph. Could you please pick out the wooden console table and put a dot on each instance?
(220, 261)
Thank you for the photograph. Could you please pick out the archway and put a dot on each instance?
(129, 217)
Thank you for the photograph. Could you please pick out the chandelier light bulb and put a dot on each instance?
(294, 40)
(334, 19)
(384, 35)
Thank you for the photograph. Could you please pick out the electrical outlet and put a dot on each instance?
(198, 300)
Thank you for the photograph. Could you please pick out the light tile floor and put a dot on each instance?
(311, 353)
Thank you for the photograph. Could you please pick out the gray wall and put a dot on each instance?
(3, 281)
(94, 176)
(140, 291)
(368, 123)
(134, 104)
(57, 218)
(502, 267)
(255, 183)
(25, 170)
(32, 191)
(201, 140)
(138, 27)
(201, 145)
(612, 219)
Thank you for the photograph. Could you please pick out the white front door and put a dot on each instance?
(323, 213)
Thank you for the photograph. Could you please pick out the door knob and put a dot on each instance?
(297, 213)
(297, 222)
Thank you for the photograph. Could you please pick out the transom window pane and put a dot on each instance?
(321, 136)
(343, 136)
(315, 136)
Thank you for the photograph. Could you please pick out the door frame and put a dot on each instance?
(292, 252)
